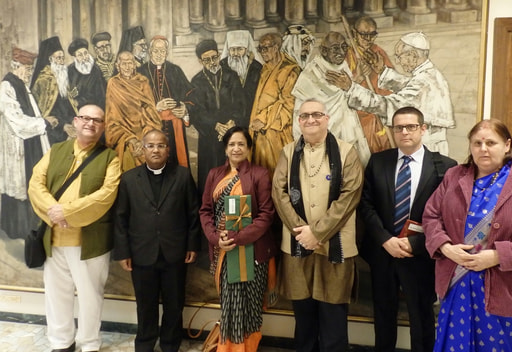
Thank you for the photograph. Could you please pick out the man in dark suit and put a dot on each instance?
(157, 233)
(401, 263)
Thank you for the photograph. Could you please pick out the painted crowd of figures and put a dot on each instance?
(141, 90)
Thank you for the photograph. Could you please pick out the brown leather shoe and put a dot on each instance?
(68, 349)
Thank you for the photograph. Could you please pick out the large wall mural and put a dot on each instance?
(192, 68)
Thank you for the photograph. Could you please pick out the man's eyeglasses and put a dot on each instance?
(341, 48)
(103, 47)
(151, 146)
(317, 115)
(409, 128)
(264, 49)
(210, 59)
(87, 119)
(367, 35)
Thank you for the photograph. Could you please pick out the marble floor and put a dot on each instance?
(22, 337)
(30, 337)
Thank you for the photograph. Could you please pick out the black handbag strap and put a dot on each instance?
(75, 174)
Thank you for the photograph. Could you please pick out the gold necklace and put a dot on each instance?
(317, 170)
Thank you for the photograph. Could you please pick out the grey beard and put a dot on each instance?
(240, 66)
(142, 56)
(61, 74)
(214, 69)
(85, 67)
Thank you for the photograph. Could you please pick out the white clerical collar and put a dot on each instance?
(156, 171)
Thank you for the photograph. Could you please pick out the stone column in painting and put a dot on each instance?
(216, 20)
(255, 18)
(375, 9)
(417, 13)
(457, 11)
(294, 12)
(196, 10)
(330, 17)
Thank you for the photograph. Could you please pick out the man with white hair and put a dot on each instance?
(239, 54)
(23, 141)
(50, 88)
(298, 44)
(313, 83)
(86, 82)
(424, 87)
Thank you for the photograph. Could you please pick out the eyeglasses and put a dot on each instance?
(367, 35)
(103, 47)
(341, 48)
(409, 128)
(210, 59)
(87, 119)
(159, 146)
(317, 115)
(264, 49)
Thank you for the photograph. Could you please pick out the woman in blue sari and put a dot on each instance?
(468, 231)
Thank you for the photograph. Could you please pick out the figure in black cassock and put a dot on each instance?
(86, 82)
(219, 106)
(23, 141)
(172, 93)
(239, 54)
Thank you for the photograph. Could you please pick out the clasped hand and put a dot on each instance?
(56, 215)
(479, 261)
(306, 238)
(398, 247)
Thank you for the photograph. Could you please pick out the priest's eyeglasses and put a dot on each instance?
(317, 115)
(151, 146)
(409, 128)
(211, 59)
(87, 119)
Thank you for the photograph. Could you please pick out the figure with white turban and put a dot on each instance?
(298, 42)
(240, 55)
(423, 87)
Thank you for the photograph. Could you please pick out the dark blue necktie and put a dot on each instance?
(402, 195)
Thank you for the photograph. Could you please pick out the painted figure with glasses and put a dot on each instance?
(468, 230)
(79, 236)
(134, 40)
(171, 90)
(398, 183)
(422, 86)
(272, 111)
(105, 58)
(130, 112)
(315, 82)
(241, 297)
(157, 233)
(360, 56)
(316, 188)
(220, 105)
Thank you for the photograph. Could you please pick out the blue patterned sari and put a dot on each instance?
(463, 323)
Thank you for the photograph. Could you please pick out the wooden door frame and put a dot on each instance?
(501, 92)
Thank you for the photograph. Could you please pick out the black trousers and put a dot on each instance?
(320, 326)
(166, 281)
(415, 277)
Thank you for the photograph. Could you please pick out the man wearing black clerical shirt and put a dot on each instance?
(157, 233)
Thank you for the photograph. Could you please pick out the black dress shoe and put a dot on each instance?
(68, 349)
